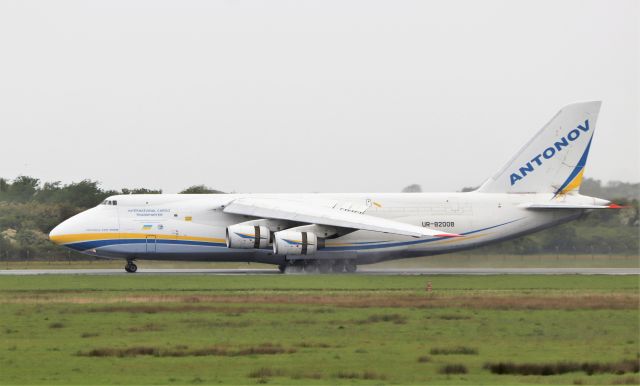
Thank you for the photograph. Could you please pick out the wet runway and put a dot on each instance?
(361, 271)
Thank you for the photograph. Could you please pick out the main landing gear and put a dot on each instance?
(318, 266)
(130, 267)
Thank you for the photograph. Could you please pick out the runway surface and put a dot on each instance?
(361, 271)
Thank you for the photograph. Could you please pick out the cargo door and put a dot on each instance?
(151, 243)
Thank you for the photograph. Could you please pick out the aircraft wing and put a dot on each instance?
(570, 206)
(282, 209)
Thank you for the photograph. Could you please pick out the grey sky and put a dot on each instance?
(298, 96)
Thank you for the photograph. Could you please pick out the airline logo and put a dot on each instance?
(248, 236)
(296, 242)
(549, 153)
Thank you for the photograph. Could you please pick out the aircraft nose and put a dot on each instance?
(90, 222)
(57, 234)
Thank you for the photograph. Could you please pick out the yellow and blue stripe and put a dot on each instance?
(385, 244)
(87, 241)
(575, 178)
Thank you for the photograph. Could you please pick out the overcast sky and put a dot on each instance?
(296, 96)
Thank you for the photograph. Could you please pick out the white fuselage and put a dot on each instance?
(536, 189)
(192, 227)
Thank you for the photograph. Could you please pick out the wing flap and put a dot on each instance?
(274, 208)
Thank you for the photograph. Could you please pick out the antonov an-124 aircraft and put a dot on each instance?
(536, 189)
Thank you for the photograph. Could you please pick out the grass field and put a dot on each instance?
(340, 329)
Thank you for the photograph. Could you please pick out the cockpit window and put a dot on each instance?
(109, 202)
(115, 202)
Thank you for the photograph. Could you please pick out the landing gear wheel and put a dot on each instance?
(282, 268)
(338, 266)
(310, 267)
(293, 267)
(324, 266)
(131, 267)
(350, 267)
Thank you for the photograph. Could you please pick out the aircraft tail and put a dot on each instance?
(553, 160)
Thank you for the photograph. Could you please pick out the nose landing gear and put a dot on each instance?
(130, 267)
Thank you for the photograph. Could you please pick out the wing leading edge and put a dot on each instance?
(274, 208)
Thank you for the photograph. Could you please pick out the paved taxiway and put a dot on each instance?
(361, 271)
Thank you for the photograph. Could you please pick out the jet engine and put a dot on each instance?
(294, 243)
(247, 236)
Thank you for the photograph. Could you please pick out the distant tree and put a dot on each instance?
(84, 194)
(591, 187)
(414, 188)
(4, 185)
(561, 238)
(8, 244)
(23, 188)
(29, 215)
(199, 189)
(34, 244)
(50, 192)
(526, 245)
(141, 191)
(612, 190)
(632, 217)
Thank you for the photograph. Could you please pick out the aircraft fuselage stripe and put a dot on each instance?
(99, 243)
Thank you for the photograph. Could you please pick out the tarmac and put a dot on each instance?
(361, 271)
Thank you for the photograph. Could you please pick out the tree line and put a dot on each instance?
(29, 209)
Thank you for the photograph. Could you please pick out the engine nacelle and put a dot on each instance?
(247, 236)
(294, 243)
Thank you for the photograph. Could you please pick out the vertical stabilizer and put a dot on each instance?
(553, 160)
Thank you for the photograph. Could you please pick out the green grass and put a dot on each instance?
(306, 283)
(334, 329)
